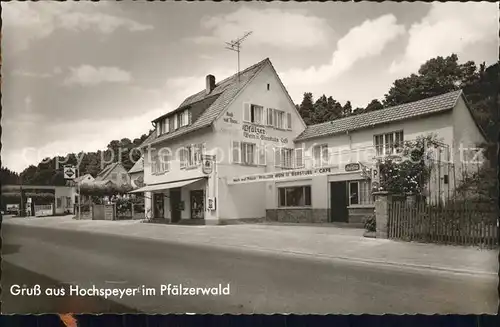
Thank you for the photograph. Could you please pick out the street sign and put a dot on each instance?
(69, 172)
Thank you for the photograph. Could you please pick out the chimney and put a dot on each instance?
(210, 82)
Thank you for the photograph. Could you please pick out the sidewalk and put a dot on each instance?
(320, 242)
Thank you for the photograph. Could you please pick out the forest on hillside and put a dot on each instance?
(437, 76)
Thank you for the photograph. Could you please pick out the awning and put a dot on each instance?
(165, 186)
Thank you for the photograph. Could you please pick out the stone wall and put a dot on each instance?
(297, 215)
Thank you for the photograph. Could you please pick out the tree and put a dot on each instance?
(8, 176)
(436, 76)
(347, 109)
(307, 109)
(375, 104)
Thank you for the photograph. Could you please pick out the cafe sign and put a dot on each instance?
(260, 133)
(282, 175)
(352, 167)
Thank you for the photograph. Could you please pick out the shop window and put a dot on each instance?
(297, 196)
(360, 193)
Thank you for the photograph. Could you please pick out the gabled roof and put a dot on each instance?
(105, 172)
(226, 91)
(81, 178)
(138, 166)
(405, 111)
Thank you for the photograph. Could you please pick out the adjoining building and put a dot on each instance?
(239, 150)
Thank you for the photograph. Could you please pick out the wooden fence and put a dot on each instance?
(462, 223)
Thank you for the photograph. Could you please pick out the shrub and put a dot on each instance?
(370, 223)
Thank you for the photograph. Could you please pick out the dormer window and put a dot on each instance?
(183, 118)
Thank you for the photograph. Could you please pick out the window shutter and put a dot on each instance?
(269, 117)
(158, 129)
(262, 154)
(277, 157)
(299, 158)
(324, 156)
(175, 122)
(289, 121)
(182, 155)
(236, 152)
(246, 112)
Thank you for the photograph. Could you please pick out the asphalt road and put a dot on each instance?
(259, 282)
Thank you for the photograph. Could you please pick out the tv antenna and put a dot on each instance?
(235, 45)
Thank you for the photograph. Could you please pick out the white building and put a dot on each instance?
(239, 150)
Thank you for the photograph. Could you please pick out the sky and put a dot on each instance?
(77, 75)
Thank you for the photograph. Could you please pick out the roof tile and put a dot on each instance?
(397, 113)
(227, 89)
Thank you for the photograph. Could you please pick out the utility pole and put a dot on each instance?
(235, 45)
(79, 193)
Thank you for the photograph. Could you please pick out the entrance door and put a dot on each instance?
(338, 202)
(158, 205)
(175, 204)
(197, 204)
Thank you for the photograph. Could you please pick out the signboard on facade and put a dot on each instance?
(211, 204)
(276, 176)
(352, 167)
(208, 166)
(260, 133)
(229, 118)
(69, 172)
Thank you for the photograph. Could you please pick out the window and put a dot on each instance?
(165, 162)
(279, 119)
(299, 157)
(268, 86)
(286, 158)
(389, 143)
(193, 154)
(190, 156)
(155, 165)
(166, 125)
(180, 120)
(248, 153)
(298, 196)
(320, 155)
(114, 176)
(253, 113)
(59, 202)
(359, 193)
(124, 178)
(68, 201)
(289, 121)
(353, 193)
